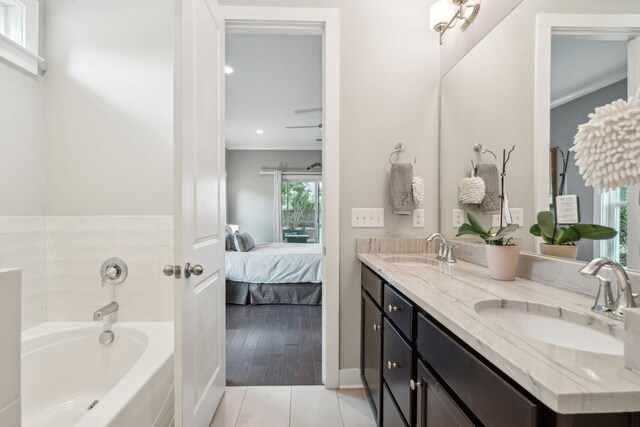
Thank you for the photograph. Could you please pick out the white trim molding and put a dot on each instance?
(327, 20)
(580, 91)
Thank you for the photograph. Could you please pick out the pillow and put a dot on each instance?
(229, 241)
(243, 241)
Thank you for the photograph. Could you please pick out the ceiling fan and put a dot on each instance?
(305, 127)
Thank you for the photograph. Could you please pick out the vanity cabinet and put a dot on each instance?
(435, 407)
(418, 373)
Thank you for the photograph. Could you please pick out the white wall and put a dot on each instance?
(22, 182)
(389, 92)
(250, 195)
(21, 144)
(497, 104)
(109, 107)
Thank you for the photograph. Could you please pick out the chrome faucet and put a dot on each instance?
(445, 250)
(605, 302)
(112, 307)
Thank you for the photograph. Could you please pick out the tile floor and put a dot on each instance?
(294, 406)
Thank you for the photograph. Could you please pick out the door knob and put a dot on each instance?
(415, 385)
(172, 270)
(392, 365)
(189, 269)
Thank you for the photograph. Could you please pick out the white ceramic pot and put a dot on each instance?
(503, 261)
(559, 251)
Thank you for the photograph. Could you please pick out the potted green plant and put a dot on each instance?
(562, 241)
(502, 253)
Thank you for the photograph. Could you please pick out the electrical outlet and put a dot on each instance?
(458, 218)
(367, 217)
(418, 218)
(517, 217)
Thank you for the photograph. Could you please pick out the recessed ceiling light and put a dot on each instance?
(260, 131)
(228, 69)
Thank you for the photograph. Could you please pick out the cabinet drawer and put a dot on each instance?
(490, 398)
(390, 415)
(400, 310)
(397, 367)
(371, 352)
(371, 283)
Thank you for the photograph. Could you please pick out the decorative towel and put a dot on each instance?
(471, 191)
(491, 177)
(417, 187)
(608, 146)
(401, 189)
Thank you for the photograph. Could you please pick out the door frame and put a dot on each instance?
(547, 25)
(328, 21)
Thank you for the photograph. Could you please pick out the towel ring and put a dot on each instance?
(399, 149)
(479, 148)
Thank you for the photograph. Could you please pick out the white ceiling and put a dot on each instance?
(273, 76)
(580, 66)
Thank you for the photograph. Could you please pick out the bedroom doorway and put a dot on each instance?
(274, 159)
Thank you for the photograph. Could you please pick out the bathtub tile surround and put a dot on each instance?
(22, 246)
(10, 296)
(78, 245)
(60, 257)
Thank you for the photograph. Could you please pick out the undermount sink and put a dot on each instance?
(410, 261)
(554, 325)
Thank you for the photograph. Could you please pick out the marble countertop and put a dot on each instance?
(566, 380)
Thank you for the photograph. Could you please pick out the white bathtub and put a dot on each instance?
(65, 369)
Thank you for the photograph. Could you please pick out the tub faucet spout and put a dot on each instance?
(112, 307)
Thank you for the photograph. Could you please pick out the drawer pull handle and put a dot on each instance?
(375, 327)
(392, 308)
(392, 365)
(415, 385)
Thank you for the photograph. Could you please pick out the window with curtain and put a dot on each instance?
(301, 204)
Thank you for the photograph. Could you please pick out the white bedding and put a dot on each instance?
(276, 263)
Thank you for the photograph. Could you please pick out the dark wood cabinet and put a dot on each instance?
(371, 352)
(418, 373)
(397, 368)
(434, 406)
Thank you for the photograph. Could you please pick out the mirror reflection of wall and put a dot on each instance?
(586, 73)
(490, 96)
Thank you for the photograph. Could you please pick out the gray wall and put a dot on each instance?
(389, 85)
(564, 123)
(22, 160)
(250, 195)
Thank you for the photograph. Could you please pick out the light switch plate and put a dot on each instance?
(517, 216)
(458, 218)
(367, 217)
(418, 218)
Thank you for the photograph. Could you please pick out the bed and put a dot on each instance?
(275, 273)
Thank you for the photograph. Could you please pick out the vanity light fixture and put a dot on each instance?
(464, 11)
(259, 131)
(228, 69)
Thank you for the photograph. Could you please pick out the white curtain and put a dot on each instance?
(277, 206)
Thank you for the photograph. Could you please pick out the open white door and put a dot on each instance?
(199, 212)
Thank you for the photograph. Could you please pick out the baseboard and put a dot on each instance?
(350, 378)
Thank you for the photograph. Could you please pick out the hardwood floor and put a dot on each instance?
(274, 345)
